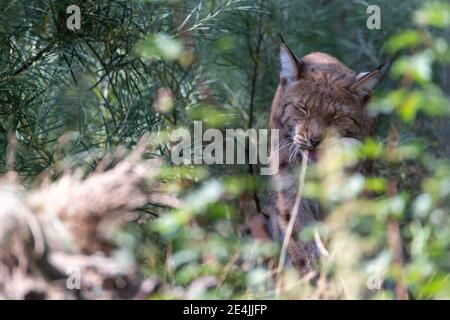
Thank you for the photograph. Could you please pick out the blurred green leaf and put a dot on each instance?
(159, 46)
(418, 67)
(404, 40)
(434, 13)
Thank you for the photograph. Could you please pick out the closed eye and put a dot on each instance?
(346, 121)
(302, 111)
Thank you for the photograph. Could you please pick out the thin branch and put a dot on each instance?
(294, 214)
(33, 59)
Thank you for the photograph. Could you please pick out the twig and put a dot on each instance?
(255, 57)
(33, 59)
(393, 232)
(294, 213)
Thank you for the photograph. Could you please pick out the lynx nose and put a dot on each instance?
(314, 142)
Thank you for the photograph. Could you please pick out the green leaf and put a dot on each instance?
(159, 46)
(418, 67)
(435, 14)
(404, 40)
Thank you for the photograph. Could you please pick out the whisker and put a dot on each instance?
(286, 145)
(297, 147)
(290, 149)
(291, 153)
(285, 141)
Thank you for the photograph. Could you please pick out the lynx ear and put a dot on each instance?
(364, 82)
(291, 66)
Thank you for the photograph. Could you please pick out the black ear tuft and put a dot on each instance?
(364, 82)
(281, 38)
(291, 66)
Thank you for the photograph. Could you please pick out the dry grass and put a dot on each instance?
(54, 230)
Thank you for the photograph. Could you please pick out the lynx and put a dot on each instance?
(316, 93)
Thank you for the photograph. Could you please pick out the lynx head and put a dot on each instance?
(318, 94)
